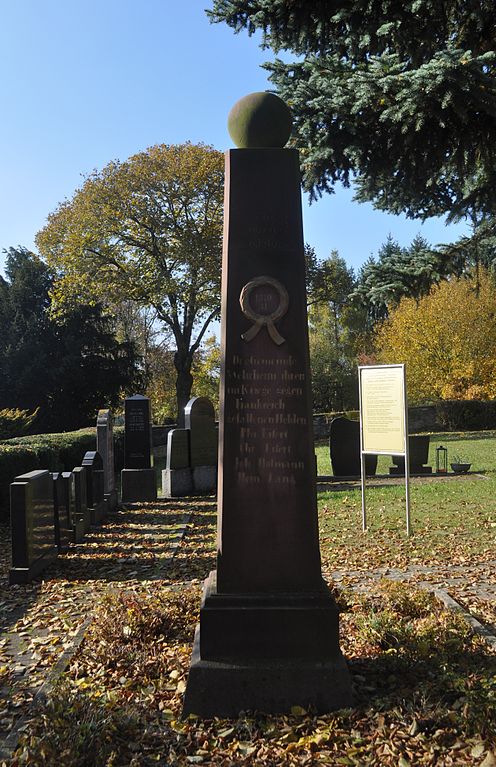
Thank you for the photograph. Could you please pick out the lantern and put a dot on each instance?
(441, 460)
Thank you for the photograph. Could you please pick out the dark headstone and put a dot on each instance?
(76, 523)
(105, 446)
(418, 448)
(177, 477)
(63, 531)
(344, 444)
(95, 500)
(137, 433)
(81, 515)
(138, 480)
(268, 634)
(33, 525)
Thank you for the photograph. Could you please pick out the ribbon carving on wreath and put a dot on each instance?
(260, 320)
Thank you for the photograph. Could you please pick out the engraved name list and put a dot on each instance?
(266, 404)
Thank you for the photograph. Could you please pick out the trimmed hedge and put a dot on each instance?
(55, 452)
(466, 415)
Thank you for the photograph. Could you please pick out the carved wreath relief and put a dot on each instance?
(264, 307)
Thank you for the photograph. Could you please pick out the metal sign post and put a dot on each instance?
(384, 421)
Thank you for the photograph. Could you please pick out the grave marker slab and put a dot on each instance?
(81, 512)
(95, 500)
(344, 446)
(138, 480)
(69, 504)
(62, 529)
(199, 418)
(177, 479)
(33, 525)
(268, 632)
(105, 446)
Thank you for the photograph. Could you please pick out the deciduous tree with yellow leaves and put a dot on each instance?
(447, 340)
(147, 230)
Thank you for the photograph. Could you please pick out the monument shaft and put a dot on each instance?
(267, 500)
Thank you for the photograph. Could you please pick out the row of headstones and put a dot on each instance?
(191, 458)
(49, 511)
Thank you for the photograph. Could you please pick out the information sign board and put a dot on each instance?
(383, 409)
(384, 421)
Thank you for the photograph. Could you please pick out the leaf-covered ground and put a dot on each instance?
(424, 685)
(41, 620)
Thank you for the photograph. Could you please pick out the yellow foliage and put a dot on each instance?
(148, 229)
(447, 340)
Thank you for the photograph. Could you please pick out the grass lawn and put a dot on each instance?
(478, 448)
(453, 519)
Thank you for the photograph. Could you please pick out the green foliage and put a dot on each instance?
(206, 371)
(68, 369)
(147, 230)
(336, 329)
(401, 97)
(15, 422)
(403, 272)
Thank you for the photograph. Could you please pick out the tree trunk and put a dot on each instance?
(184, 382)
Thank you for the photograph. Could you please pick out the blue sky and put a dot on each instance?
(88, 81)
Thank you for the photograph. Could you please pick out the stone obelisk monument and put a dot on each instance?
(268, 632)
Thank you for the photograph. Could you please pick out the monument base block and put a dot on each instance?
(266, 653)
(400, 470)
(177, 482)
(138, 485)
(23, 575)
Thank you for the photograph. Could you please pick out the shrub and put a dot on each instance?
(15, 423)
(466, 415)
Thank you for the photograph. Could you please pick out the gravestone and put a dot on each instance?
(32, 524)
(138, 481)
(418, 450)
(344, 445)
(105, 446)
(268, 634)
(81, 515)
(199, 418)
(76, 523)
(191, 462)
(63, 529)
(177, 477)
(95, 500)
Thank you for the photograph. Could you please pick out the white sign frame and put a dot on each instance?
(383, 401)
